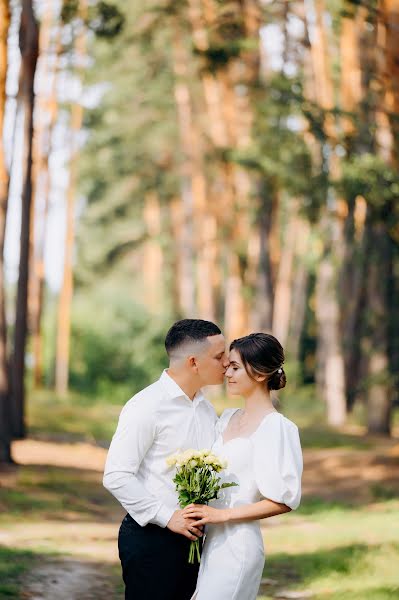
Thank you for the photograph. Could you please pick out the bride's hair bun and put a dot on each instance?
(278, 380)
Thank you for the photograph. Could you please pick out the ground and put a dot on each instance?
(58, 526)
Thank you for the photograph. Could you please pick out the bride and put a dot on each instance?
(264, 457)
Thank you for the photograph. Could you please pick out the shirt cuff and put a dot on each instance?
(163, 516)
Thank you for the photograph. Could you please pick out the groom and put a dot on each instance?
(169, 415)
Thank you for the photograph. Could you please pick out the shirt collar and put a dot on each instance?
(175, 391)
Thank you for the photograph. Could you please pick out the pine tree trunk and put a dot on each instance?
(330, 373)
(351, 74)
(66, 293)
(299, 291)
(262, 312)
(29, 46)
(177, 231)
(235, 323)
(352, 281)
(5, 422)
(187, 169)
(228, 125)
(379, 388)
(153, 258)
(47, 111)
(283, 288)
(331, 377)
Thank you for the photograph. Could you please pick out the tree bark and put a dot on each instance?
(188, 304)
(299, 291)
(379, 388)
(47, 117)
(283, 289)
(66, 293)
(330, 373)
(29, 46)
(262, 314)
(330, 357)
(153, 258)
(5, 421)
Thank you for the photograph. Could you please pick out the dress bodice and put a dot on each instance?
(266, 464)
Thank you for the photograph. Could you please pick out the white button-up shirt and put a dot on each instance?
(155, 423)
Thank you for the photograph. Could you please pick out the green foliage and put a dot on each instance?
(120, 346)
(106, 20)
(218, 56)
(371, 177)
(69, 10)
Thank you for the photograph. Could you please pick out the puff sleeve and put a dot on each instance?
(278, 462)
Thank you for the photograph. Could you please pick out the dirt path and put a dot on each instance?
(87, 567)
(70, 580)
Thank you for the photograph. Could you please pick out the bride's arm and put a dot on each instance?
(248, 512)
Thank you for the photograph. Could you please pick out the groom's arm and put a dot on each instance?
(133, 437)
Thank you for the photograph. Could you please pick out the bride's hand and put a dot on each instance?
(205, 514)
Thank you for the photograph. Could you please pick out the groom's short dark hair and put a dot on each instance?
(189, 330)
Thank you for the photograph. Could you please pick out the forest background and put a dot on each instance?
(230, 160)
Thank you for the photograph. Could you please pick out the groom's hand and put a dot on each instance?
(185, 525)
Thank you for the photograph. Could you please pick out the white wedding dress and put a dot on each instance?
(267, 464)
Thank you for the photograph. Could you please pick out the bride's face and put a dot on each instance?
(239, 383)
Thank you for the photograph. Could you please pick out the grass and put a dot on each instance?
(337, 552)
(42, 492)
(71, 417)
(13, 566)
(77, 418)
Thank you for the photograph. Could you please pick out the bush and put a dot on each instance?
(116, 348)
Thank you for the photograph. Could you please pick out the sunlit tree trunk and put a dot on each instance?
(330, 368)
(330, 353)
(187, 172)
(153, 259)
(176, 219)
(227, 101)
(5, 423)
(29, 46)
(262, 313)
(352, 272)
(351, 91)
(387, 132)
(47, 103)
(283, 289)
(66, 293)
(299, 290)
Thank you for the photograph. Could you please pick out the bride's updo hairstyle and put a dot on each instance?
(262, 354)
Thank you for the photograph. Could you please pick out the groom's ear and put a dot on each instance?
(192, 361)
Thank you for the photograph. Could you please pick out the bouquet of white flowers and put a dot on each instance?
(197, 482)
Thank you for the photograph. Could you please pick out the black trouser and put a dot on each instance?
(155, 563)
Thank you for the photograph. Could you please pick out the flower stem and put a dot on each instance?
(194, 552)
